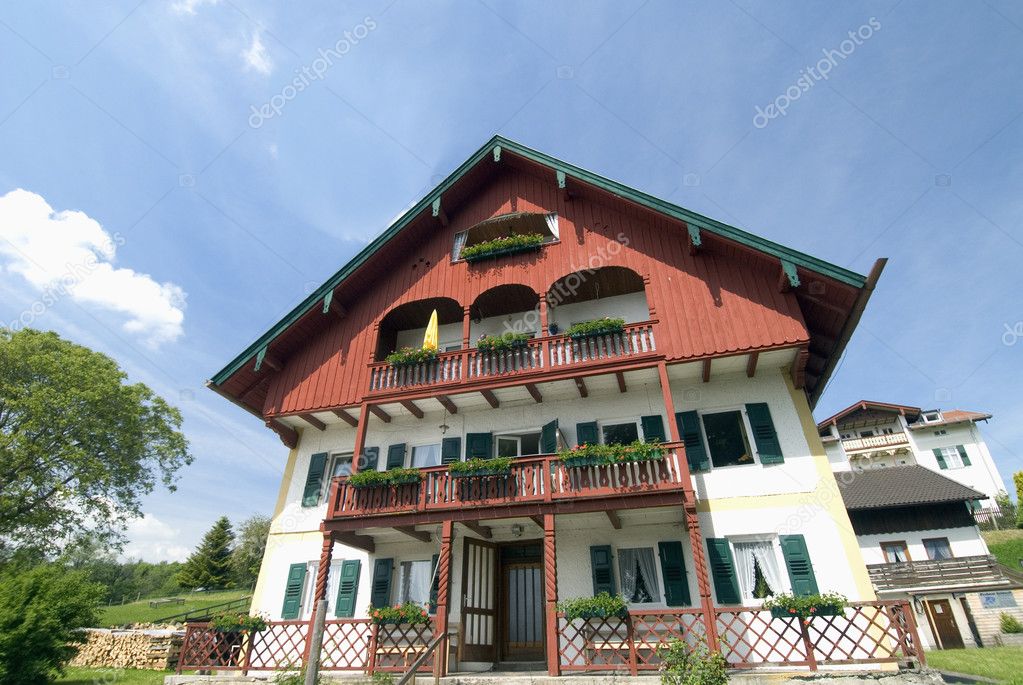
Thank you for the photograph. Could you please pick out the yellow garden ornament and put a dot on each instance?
(430, 339)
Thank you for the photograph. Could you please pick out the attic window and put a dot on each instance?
(932, 416)
(505, 226)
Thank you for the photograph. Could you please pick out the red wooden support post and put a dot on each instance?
(360, 437)
(545, 359)
(691, 517)
(550, 578)
(811, 660)
(320, 589)
(371, 664)
(447, 535)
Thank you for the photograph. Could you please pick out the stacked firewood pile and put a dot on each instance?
(153, 648)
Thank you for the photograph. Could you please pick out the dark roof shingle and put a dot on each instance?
(900, 486)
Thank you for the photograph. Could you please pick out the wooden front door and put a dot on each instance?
(943, 622)
(479, 601)
(522, 611)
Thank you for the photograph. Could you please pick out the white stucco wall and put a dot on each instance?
(981, 474)
(964, 541)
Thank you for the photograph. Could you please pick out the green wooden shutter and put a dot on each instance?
(692, 435)
(962, 455)
(348, 588)
(434, 584)
(293, 592)
(942, 464)
(797, 559)
(673, 568)
(549, 438)
(586, 433)
(603, 572)
(764, 434)
(450, 450)
(396, 456)
(314, 480)
(370, 458)
(722, 569)
(479, 445)
(380, 591)
(653, 428)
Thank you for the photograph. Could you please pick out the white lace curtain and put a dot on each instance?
(749, 555)
(415, 581)
(632, 562)
(552, 224)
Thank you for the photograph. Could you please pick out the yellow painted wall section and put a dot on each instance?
(268, 558)
(282, 499)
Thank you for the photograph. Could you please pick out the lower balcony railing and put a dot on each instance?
(867, 633)
(531, 480)
(549, 353)
(875, 441)
(974, 570)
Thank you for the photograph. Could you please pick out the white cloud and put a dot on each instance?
(69, 254)
(150, 539)
(257, 57)
(190, 6)
(273, 150)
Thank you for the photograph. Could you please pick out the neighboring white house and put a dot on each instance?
(919, 538)
(872, 435)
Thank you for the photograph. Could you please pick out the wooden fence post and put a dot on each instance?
(811, 659)
(312, 664)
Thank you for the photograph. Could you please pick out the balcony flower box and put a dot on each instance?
(594, 328)
(409, 613)
(499, 247)
(238, 623)
(481, 468)
(411, 356)
(603, 605)
(379, 479)
(498, 343)
(606, 455)
(805, 608)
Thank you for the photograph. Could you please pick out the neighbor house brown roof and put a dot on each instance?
(952, 416)
(900, 486)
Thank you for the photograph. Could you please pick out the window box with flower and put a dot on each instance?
(408, 613)
(480, 468)
(589, 329)
(806, 607)
(512, 244)
(410, 356)
(500, 343)
(602, 455)
(604, 605)
(379, 479)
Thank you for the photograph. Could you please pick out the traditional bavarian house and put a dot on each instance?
(620, 402)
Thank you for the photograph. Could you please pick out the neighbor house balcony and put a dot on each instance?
(885, 441)
(535, 357)
(972, 571)
(533, 486)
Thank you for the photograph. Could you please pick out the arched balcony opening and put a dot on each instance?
(405, 325)
(509, 308)
(615, 292)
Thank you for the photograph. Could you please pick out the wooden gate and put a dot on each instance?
(479, 602)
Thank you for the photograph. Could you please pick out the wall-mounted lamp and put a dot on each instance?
(517, 529)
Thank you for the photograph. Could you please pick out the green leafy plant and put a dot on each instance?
(481, 467)
(410, 356)
(498, 343)
(600, 455)
(522, 242)
(409, 612)
(382, 678)
(806, 607)
(683, 664)
(586, 329)
(1009, 623)
(293, 675)
(603, 605)
(377, 479)
(238, 622)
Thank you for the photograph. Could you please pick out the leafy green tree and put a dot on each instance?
(79, 445)
(209, 566)
(1017, 478)
(248, 553)
(41, 612)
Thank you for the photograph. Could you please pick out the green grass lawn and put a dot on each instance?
(1004, 664)
(1006, 545)
(112, 676)
(139, 612)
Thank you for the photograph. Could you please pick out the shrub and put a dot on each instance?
(497, 343)
(685, 665)
(1009, 623)
(593, 455)
(481, 467)
(595, 327)
(376, 479)
(382, 678)
(293, 676)
(603, 605)
(409, 612)
(41, 613)
(410, 356)
(509, 244)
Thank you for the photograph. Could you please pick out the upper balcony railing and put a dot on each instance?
(955, 572)
(537, 355)
(875, 442)
(532, 480)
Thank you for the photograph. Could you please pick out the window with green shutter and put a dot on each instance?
(380, 591)
(602, 569)
(797, 559)
(653, 428)
(314, 480)
(450, 450)
(479, 445)
(692, 435)
(939, 455)
(370, 458)
(586, 433)
(549, 438)
(348, 588)
(396, 456)
(764, 434)
(673, 568)
(293, 592)
(962, 455)
(722, 570)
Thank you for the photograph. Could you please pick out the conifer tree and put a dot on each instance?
(209, 566)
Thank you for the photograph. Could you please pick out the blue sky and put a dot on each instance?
(210, 220)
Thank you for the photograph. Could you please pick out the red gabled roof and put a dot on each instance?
(953, 416)
(864, 405)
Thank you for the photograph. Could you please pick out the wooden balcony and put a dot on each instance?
(980, 570)
(538, 356)
(875, 442)
(534, 486)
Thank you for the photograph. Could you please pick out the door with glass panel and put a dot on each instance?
(522, 617)
(479, 601)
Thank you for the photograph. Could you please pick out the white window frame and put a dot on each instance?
(928, 414)
(401, 578)
(410, 456)
(516, 435)
(749, 437)
(779, 560)
(950, 454)
(328, 474)
(309, 589)
(658, 572)
(617, 422)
